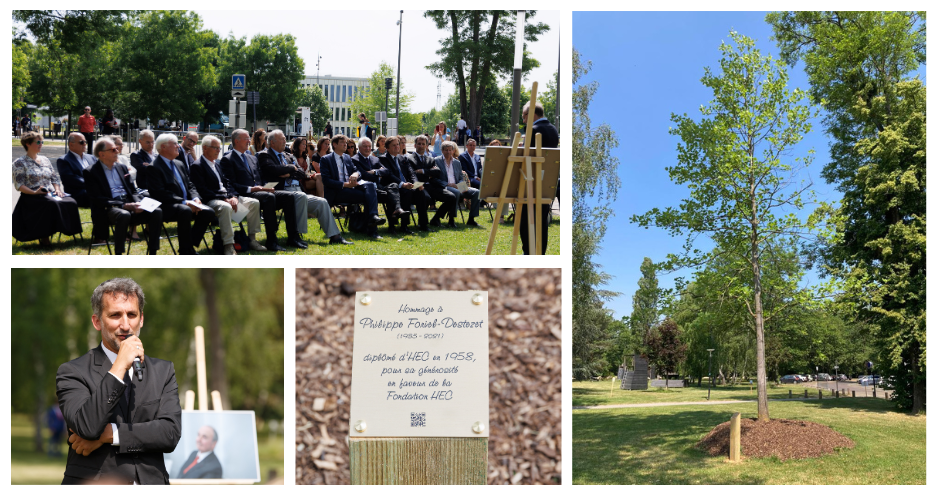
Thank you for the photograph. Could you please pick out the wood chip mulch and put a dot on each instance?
(524, 366)
(781, 438)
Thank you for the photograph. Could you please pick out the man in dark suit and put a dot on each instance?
(143, 158)
(184, 151)
(170, 185)
(549, 139)
(242, 170)
(341, 184)
(369, 168)
(396, 171)
(71, 165)
(121, 423)
(423, 166)
(471, 163)
(112, 193)
(202, 462)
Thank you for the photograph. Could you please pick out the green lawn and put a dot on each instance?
(461, 240)
(655, 445)
(598, 393)
(29, 467)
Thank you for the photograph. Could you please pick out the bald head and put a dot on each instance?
(76, 143)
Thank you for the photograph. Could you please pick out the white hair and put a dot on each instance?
(145, 132)
(238, 132)
(209, 139)
(163, 139)
(365, 140)
(276, 132)
(449, 144)
(99, 144)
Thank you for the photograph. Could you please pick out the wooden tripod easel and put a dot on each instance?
(529, 188)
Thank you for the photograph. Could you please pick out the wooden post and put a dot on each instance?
(190, 401)
(852, 394)
(735, 438)
(216, 400)
(200, 370)
(790, 393)
(806, 393)
(502, 195)
(539, 220)
(418, 461)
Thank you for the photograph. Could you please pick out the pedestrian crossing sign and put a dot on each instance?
(238, 81)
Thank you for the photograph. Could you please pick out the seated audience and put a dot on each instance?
(341, 181)
(396, 171)
(471, 163)
(368, 167)
(42, 208)
(448, 174)
(424, 168)
(70, 166)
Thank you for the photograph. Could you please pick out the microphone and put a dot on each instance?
(139, 369)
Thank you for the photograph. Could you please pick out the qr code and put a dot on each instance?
(418, 419)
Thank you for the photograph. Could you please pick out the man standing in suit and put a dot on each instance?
(111, 191)
(185, 150)
(471, 163)
(70, 166)
(278, 166)
(423, 166)
(369, 168)
(549, 139)
(448, 174)
(202, 462)
(121, 422)
(242, 170)
(215, 188)
(170, 185)
(86, 125)
(143, 158)
(396, 172)
(341, 182)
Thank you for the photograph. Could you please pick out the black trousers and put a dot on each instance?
(122, 218)
(522, 216)
(188, 229)
(414, 198)
(270, 203)
(447, 198)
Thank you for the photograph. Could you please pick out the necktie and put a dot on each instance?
(342, 168)
(179, 180)
(194, 462)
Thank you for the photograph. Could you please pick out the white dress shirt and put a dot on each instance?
(112, 356)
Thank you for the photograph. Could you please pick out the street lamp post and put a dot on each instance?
(836, 380)
(816, 378)
(517, 72)
(318, 58)
(398, 91)
(710, 377)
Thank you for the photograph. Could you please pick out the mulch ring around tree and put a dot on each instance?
(781, 438)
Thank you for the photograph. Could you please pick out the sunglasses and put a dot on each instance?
(38, 142)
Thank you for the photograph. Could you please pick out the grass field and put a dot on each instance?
(29, 467)
(655, 445)
(461, 240)
(598, 393)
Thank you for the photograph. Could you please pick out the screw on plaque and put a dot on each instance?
(477, 299)
(360, 426)
(366, 300)
(478, 427)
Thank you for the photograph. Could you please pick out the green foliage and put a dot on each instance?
(373, 100)
(73, 30)
(664, 347)
(478, 49)
(271, 66)
(741, 191)
(167, 65)
(52, 325)
(20, 79)
(314, 98)
(595, 183)
(861, 67)
(645, 304)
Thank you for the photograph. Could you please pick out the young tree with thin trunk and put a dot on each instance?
(743, 190)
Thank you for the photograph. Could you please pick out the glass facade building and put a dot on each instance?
(339, 92)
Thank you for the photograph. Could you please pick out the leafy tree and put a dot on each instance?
(861, 66)
(20, 63)
(314, 98)
(645, 303)
(167, 66)
(373, 100)
(665, 348)
(74, 31)
(595, 185)
(480, 47)
(740, 189)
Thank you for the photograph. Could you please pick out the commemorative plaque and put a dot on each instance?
(420, 364)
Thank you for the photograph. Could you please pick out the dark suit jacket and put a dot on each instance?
(163, 185)
(207, 183)
(549, 134)
(438, 178)
(395, 171)
(271, 169)
(140, 160)
(420, 162)
(472, 165)
(366, 164)
(70, 170)
(148, 423)
(99, 189)
(186, 160)
(209, 468)
(330, 170)
(243, 174)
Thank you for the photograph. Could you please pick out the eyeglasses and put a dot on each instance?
(111, 149)
(80, 142)
(38, 142)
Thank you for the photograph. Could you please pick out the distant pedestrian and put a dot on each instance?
(461, 131)
(56, 422)
(109, 124)
(329, 131)
(86, 126)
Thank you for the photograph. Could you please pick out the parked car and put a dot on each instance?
(825, 377)
(869, 380)
(789, 379)
(841, 377)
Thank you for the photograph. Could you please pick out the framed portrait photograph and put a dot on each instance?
(215, 447)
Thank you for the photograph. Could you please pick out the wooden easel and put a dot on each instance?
(204, 406)
(529, 188)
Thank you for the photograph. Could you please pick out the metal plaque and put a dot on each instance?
(420, 364)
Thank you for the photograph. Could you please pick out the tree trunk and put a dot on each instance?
(40, 395)
(761, 399)
(461, 79)
(477, 94)
(218, 378)
(919, 383)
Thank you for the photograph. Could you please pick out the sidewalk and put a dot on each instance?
(698, 403)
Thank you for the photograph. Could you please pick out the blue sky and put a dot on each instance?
(649, 65)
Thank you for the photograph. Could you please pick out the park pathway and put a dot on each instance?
(697, 403)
